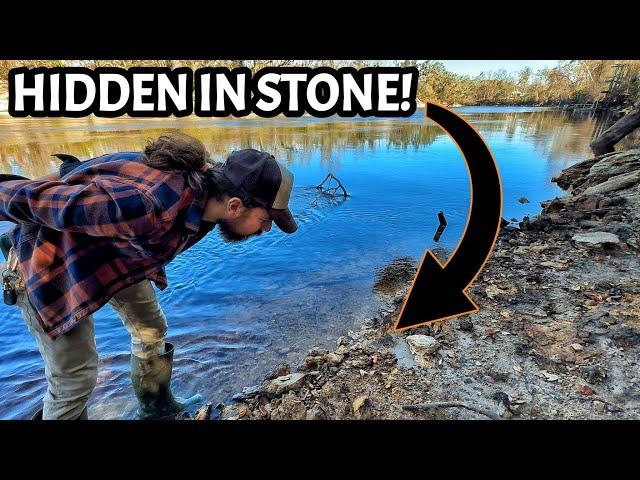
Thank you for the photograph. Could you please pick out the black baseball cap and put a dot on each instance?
(264, 182)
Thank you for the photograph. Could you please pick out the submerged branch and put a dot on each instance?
(330, 177)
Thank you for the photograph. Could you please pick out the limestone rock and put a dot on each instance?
(284, 384)
(595, 239)
(423, 347)
(618, 182)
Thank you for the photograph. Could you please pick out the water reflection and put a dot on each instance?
(26, 144)
(236, 310)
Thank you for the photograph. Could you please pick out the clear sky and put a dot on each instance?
(475, 67)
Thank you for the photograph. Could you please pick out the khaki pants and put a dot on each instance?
(71, 360)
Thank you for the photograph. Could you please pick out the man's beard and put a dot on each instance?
(229, 236)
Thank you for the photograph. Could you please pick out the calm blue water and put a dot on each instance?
(235, 311)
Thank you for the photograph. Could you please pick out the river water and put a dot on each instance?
(236, 310)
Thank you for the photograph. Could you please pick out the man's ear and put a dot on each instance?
(235, 208)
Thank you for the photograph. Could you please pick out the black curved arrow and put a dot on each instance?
(438, 291)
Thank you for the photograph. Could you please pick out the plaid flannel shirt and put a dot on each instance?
(108, 224)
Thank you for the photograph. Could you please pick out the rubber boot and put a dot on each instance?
(151, 379)
(83, 416)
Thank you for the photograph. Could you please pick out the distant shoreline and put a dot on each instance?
(4, 105)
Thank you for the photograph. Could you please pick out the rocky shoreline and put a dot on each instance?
(557, 335)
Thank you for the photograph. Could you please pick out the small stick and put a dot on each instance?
(429, 405)
(331, 176)
(441, 219)
(441, 227)
(325, 179)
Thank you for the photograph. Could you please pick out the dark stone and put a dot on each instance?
(624, 335)
(371, 323)
(247, 393)
(317, 351)
(623, 231)
(522, 349)
(592, 373)
(502, 398)
(466, 325)
(498, 376)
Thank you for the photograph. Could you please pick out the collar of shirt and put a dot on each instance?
(193, 215)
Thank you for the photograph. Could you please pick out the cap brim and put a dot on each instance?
(284, 220)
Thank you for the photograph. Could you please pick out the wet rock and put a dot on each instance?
(371, 323)
(391, 277)
(181, 416)
(204, 413)
(316, 413)
(279, 371)
(523, 200)
(284, 384)
(317, 352)
(595, 239)
(568, 176)
(399, 298)
(247, 393)
(466, 325)
(592, 373)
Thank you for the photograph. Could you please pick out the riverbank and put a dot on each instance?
(557, 335)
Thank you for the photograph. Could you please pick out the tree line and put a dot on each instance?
(571, 81)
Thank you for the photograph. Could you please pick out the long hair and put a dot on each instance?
(180, 153)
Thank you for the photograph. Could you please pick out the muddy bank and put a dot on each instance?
(557, 335)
